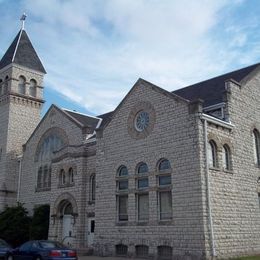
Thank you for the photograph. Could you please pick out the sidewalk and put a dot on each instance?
(105, 258)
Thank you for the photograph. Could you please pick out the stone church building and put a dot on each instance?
(168, 175)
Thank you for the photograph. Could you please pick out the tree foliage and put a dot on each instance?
(15, 225)
(40, 222)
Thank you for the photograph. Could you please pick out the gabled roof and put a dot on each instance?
(85, 120)
(21, 52)
(211, 90)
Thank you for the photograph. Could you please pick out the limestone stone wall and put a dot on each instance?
(174, 136)
(235, 204)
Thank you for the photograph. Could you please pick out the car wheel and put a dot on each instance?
(10, 257)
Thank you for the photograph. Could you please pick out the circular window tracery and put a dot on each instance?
(142, 121)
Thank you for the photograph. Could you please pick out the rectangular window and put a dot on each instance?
(259, 199)
(143, 207)
(142, 183)
(165, 205)
(165, 180)
(122, 208)
(123, 185)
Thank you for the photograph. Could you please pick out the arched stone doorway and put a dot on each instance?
(65, 208)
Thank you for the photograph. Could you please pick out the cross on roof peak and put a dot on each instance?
(22, 19)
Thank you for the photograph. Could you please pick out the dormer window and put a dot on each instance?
(21, 85)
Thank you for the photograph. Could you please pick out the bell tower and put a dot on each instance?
(21, 100)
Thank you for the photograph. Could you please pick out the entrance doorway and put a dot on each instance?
(67, 224)
(91, 231)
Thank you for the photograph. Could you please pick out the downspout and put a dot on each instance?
(211, 228)
(19, 178)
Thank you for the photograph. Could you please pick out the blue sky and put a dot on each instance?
(95, 50)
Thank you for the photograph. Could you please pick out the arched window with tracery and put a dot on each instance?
(212, 154)
(21, 85)
(32, 88)
(256, 140)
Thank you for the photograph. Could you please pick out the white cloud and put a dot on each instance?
(94, 51)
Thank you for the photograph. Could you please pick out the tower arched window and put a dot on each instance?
(212, 154)
(226, 157)
(5, 88)
(21, 85)
(256, 137)
(32, 88)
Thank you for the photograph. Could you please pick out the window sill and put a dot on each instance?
(228, 171)
(66, 185)
(214, 169)
(142, 223)
(42, 189)
(165, 222)
(122, 223)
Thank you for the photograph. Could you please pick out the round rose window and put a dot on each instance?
(141, 121)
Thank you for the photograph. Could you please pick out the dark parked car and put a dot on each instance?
(4, 248)
(42, 250)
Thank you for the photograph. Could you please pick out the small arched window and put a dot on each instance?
(122, 171)
(92, 187)
(62, 177)
(164, 165)
(226, 157)
(32, 88)
(142, 168)
(71, 176)
(256, 146)
(21, 85)
(212, 154)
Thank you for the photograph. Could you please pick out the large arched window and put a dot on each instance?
(212, 154)
(39, 178)
(32, 88)
(21, 85)
(256, 137)
(122, 197)
(226, 157)
(50, 144)
(164, 192)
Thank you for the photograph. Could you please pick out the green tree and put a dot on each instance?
(40, 222)
(15, 225)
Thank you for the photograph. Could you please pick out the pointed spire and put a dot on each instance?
(21, 52)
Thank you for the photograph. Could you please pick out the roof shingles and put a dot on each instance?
(21, 52)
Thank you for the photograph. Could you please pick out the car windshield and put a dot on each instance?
(50, 244)
(3, 243)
